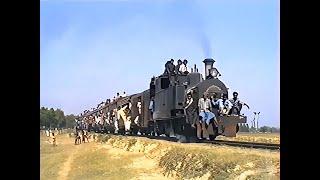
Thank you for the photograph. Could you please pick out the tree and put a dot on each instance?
(60, 118)
(243, 127)
(51, 118)
(274, 129)
(70, 123)
(44, 118)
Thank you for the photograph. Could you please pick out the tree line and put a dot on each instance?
(50, 118)
(244, 127)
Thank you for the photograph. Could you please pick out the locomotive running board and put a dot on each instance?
(230, 124)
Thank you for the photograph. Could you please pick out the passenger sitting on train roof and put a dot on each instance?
(124, 94)
(118, 95)
(166, 69)
(171, 67)
(183, 68)
(177, 68)
(224, 105)
(237, 104)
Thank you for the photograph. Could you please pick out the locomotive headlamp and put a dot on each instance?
(208, 64)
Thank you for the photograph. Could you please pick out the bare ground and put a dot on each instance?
(143, 159)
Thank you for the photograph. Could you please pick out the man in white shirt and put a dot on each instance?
(151, 107)
(177, 67)
(136, 120)
(108, 118)
(205, 116)
(115, 120)
(124, 94)
(183, 67)
(139, 107)
(224, 105)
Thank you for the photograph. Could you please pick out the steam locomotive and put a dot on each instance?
(169, 117)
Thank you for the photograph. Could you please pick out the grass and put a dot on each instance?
(116, 157)
(193, 160)
(254, 137)
(97, 164)
(188, 163)
(88, 161)
(52, 158)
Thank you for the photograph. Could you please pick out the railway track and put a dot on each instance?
(246, 144)
(253, 145)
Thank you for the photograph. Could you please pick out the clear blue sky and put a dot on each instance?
(90, 50)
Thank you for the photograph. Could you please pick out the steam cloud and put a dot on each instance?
(194, 18)
(205, 45)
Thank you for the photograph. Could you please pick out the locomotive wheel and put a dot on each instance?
(212, 137)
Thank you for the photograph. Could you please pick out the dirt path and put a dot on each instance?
(65, 169)
(144, 168)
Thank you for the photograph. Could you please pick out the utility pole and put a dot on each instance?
(254, 118)
(257, 120)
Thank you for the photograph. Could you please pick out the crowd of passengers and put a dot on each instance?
(205, 111)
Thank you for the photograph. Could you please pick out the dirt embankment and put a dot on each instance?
(198, 161)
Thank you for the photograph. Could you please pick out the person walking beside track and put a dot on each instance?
(54, 140)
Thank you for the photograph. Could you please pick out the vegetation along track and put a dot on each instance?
(218, 142)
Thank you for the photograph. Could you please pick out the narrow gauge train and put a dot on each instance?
(169, 117)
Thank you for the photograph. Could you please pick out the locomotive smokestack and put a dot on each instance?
(208, 64)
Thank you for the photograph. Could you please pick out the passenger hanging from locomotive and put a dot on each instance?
(204, 106)
(224, 105)
(191, 110)
(237, 104)
(138, 117)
